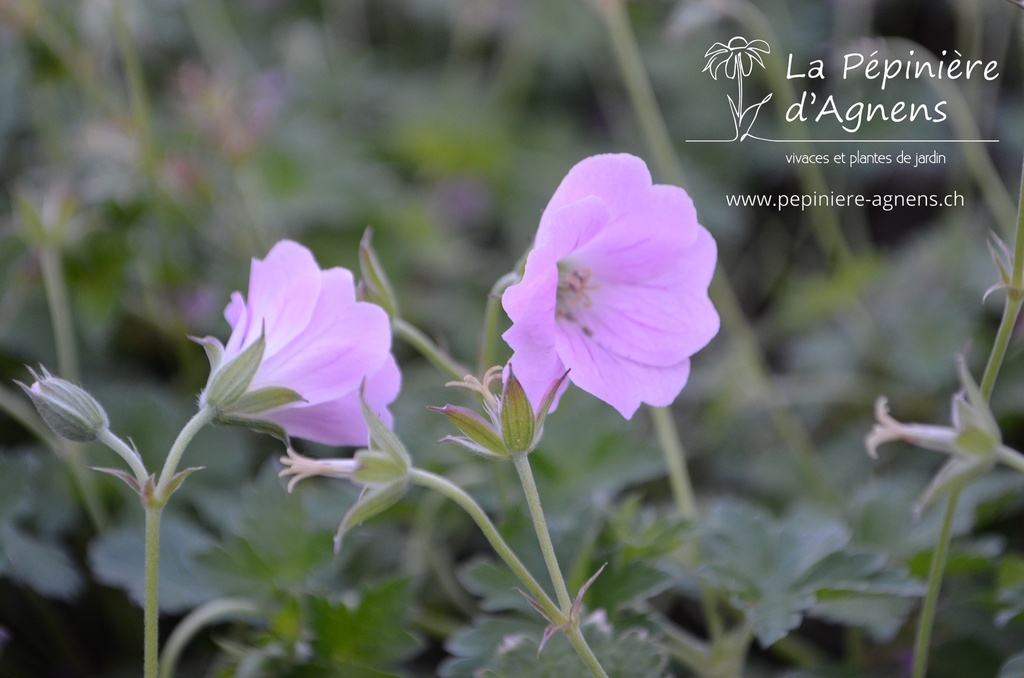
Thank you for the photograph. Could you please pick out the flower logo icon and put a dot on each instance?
(736, 60)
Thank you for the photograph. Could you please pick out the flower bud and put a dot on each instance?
(511, 426)
(67, 409)
(517, 419)
(375, 286)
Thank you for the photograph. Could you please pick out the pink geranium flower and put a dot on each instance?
(615, 288)
(320, 343)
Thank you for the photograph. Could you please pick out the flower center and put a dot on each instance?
(573, 287)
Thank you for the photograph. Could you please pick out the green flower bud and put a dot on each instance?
(67, 409)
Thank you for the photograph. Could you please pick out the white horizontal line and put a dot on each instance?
(850, 141)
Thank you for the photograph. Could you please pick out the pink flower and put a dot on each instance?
(615, 289)
(320, 343)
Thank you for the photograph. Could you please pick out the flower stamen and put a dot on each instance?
(573, 291)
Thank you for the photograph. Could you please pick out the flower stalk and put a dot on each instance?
(1011, 312)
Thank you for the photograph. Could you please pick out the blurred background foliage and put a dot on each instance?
(150, 148)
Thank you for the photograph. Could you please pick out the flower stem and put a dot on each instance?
(468, 504)
(490, 335)
(129, 455)
(540, 526)
(151, 613)
(675, 460)
(1011, 312)
(428, 349)
(208, 613)
(60, 311)
(56, 289)
(522, 464)
(1010, 457)
(201, 418)
(922, 640)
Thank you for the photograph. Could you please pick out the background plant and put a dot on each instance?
(149, 149)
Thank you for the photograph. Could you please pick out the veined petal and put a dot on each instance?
(643, 240)
(340, 421)
(620, 382)
(616, 178)
(283, 289)
(343, 341)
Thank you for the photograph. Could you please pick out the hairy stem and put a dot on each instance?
(429, 350)
(151, 612)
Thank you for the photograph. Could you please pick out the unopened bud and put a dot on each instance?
(67, 409)
(374, 285)
(517, 418)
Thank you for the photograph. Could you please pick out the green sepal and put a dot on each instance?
(372, 502)
(214, 351)
(376, 468)
(546, 402)
(177, 479)
(382, 438)
(479, 430)
(473, 447)
(228, 383)
(255, 424)
(517, 419)
(263, 399)
(375, 286)
(127, 478)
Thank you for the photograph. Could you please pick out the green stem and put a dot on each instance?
(572, 626)
(136, 89)
(59, 305)
(1011, 458)
(935, 572)
(214, 611)
(60, 312)
(151, 614)
(201, 418)
(490, 336)
(429, 350)
(1011, 312)
(675, 459)
(579, 643)
(468, 504)
(130, 456)
(540, 526)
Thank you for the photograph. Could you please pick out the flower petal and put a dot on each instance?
(616, 178)
(283, 289)
(343, 341)
(618, 381)
(340, 421)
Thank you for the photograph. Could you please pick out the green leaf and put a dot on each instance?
(495, 584)
(507, 648)
(42, 566)
(370, 630)
(15, 488)
(263, 399)
(274, 542)
(778, 570)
